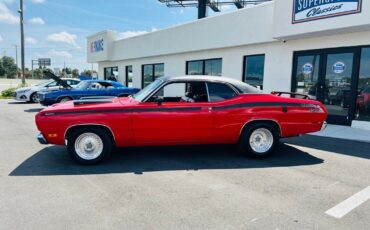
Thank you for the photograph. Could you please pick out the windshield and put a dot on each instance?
(44, 83)
(82, 85)
(142, 94)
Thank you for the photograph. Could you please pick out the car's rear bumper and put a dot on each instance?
(42, 139)
(323, 126)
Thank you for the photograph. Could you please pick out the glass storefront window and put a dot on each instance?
(363, 92)
(307, 73)
(195, 68)
(129, 76)
(111, 73)
(150, 72)
(204, 67)
(254, 70)
(213, 67)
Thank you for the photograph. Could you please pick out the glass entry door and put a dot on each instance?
(337, 86)
(328, 76)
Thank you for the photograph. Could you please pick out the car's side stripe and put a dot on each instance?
(257, 104)
(177, 109)
(126, 110)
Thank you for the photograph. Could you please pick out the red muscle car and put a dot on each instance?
(179, 111)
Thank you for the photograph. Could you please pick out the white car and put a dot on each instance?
(29, 94)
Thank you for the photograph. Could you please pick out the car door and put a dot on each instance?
(226, 114)
(175, 120)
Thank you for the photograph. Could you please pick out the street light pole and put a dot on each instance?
(20, 11)
(16, 58)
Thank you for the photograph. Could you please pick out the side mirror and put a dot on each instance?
(159, 100)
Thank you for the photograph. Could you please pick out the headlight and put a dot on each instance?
(24, 91)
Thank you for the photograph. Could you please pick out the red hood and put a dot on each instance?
(116, 103)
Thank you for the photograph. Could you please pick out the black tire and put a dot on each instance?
(244, 140)
(32, 99)
(105, 138)
(64, 99)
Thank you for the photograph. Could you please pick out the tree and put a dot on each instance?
(87, 72)
(75, 73)
(7, 67)
(38, 73)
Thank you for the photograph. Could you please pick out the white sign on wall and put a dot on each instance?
(308, 10)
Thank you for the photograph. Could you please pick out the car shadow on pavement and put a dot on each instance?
(33, 110)
(18, 102)
(333, 145)
(54, 160)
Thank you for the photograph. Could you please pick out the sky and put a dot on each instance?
(57, 29)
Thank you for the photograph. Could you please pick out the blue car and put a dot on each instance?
(85, 89)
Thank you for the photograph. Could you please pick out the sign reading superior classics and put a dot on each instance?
(307, 10)
(97, 46)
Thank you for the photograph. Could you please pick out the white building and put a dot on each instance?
(318, 47)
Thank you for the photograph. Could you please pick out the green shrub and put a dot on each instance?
(8, 92)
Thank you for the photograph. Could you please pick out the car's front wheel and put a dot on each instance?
(259, 140)
(34, 98)
(89, 145)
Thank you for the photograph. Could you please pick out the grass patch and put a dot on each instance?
(2, 97)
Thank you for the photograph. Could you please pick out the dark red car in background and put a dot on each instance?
(363, 101)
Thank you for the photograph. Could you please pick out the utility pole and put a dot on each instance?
(20, 11)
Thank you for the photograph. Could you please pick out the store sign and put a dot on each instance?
(44, 61)
(307, 68)
(339, 67)
(97, 46)
(307, 10)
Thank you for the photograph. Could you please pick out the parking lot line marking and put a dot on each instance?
(349, 204)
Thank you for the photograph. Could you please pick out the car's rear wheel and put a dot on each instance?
(34, 98)
(259, 140)
(64, 99)
(89, 145)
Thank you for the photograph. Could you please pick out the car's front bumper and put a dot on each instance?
(42, 139)
(20, 97)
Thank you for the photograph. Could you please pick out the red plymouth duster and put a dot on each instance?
(182, 110)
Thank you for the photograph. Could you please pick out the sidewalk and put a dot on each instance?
(345, 132)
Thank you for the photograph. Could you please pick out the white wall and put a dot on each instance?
(278, 59)
(109, 37)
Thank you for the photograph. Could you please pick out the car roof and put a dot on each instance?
(71, 79)
(208, 78)
(106, 81)
(242, 86)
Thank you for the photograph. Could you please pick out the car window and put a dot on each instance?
(142, 94)
(192, 92)
(72, 82)
(52, 84)
(96, 86)
(220, 92)
(106, 85)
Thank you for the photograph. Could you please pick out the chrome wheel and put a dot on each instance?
(35, 98)
(65, 99)
(89, 146)
(261, 140)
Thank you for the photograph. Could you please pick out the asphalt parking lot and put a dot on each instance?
(196, 187)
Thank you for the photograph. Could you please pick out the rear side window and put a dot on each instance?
(220, 92)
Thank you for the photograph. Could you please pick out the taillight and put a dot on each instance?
(316, 109)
